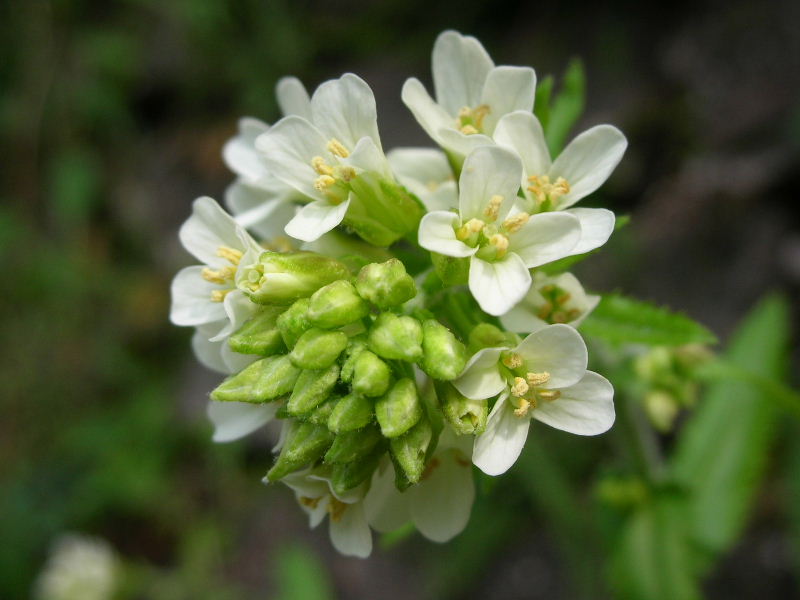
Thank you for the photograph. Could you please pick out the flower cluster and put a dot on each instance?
(378, 312)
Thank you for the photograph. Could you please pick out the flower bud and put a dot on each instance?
(318, 349)
(371, 376)
(352, 445)
(467, 417)
(346, 476)
(450, 269)
(398, 410)
(444, 356)
(294, 322)
(409, 450)
(262, 381)
(304, 443)
(352, 412)
(321, 414)
(282, 277)
(488, 336)
(259, 335)
(335, 305)
(386, 284)
(393, 337)
(312, 388)
(355, 346)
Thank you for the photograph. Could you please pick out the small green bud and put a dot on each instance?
(312, 388)
(467, 417)
(259, 335)
(386, 284)
(355, 346)
(352, 445)
(321, 414)
(451, 270)
(488, 336)
(346, 476)
(335, 305)
(304, 443)
(396, 338)
(294, 322)
(444, 356)
(371, 376)
(398, 410)
(283, 277)
(262, 381)
(318, 349)
(352, 412)
(409, 450)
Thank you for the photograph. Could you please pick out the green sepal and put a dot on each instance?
(259, 335)
(352, 445)
(396, 337)
(262, 381)
(409, 451)
(386, 284)
(450, 269)
(486, 335)
(294, 322)
(352, 412)
(346, 476)
(312, 388)
(318, 349)
(399, 409)
(371, 376)
(444, 356)
(355, 346)
(305, 443)
(466, 417)
(335, 305)
(321, 414)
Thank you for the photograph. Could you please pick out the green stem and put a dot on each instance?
(640, 440)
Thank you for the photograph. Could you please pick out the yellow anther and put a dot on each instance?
(515, 223)
(232, 255)
(544, 190)
(322, 182)
(499, 241)
(520, 387)
(320, 166)
(512, 360)
(336, 148)
(544, 311)
(220, 277)
(524, 406)
(468, 130)
(309, 502)
(219, 295)
(469, 229)
(336, 508)
(470, 120)
(493, 208)
(549, 395)
(535, 379)
(345, 173)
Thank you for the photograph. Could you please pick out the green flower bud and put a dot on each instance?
(282, 277)
(346, 476)
(323, 412)
(409, 450)
(444, 356)
(371, 376)
(259, 335)
(304, 443)
(294, 322)
(488, 336)
(398, 410)
(464, 415)
(451, 270)
(262, 381)
(355, 346)
(386, 284)
(335, 305)
(396, 338)
(352, 445)
(312, 388)
(352, 412)
(318, 349)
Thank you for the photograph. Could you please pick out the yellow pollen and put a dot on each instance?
(499, 241)
(219, 295)
(320, 166)
(515, 223)
(469, 228)
(524, 406)
(222, 276)
(336, 148)
(336, 509)
(544, 190)
(309, 502)
(322, 182)
(345, 173)
(468, 130)
(470, 120)
(520, 387)
(493, 208)
(549, 395)
(232, 255)
(535, 379)
(512, 360)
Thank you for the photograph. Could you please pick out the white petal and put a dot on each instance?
(238, 308)
(206, 230)
(288, 148)
(507, 89)
(366, 156)
(588, 160)
(266, 215)
(428, 114)
(234, 361)
(234, 420)
(461, 144)
(191, 299)
(315, 219)
(481, 376)
(488, 171)
(522, 317)
(437, 234)
(597, 225)
(303, 484)
(546, 237)
(499, 446)
(427, 174)
(441, 503)
(498, 285)
(239, 153)
(345, 109)
(385, 507)
(591, 303)
(522, 132)
(586, 408)
(350, 534)
(293, 98)
(209, 353)
(558, 350)
(460, 66)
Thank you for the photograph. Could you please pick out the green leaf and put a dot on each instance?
(722, 452)
(567, 107)
(301, 576)
(621, 320)
(541, 107)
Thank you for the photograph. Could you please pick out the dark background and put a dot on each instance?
(112, 119)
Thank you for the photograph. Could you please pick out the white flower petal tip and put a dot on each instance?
(597, 225)
(586, 408)
(234, 420)
(499, 446)
(315, 220)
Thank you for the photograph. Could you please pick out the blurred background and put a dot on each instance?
(112, 120)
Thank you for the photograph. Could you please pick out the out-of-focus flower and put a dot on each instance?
(426, 173)
(79, 568)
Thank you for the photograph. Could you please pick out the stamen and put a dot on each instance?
(322, 182)
(520, 387)
(469, 228)
(219, 295)
(500, 242)
(549, 395)
(544, 311)
(320, 166)
(468, 130)
(470, 120)
(336, 509)
(220, 277)
(544, 190)
(345, 173)
(523, 407)
(535, 379)
(232, 255)
(493, 208)
(515, 223)
(336, 148)
(309, 502)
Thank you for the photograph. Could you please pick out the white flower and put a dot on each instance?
(348, 527)
(581, 168)
(79, 568)
(426, 173)
(320, 153)
(439, 505)
(556, 299)
(544, 378)
(501, 242)
(471, 94)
